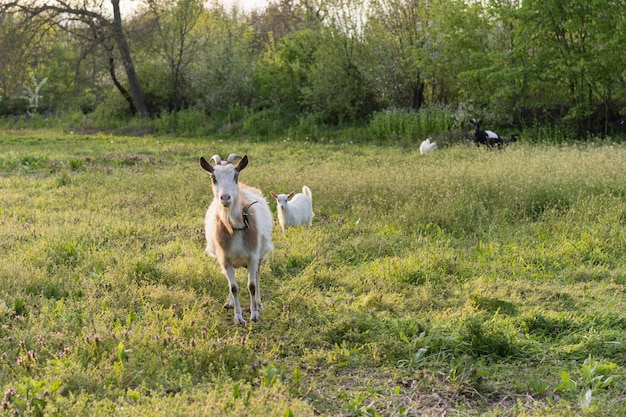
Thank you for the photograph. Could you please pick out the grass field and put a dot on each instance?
(466, 282)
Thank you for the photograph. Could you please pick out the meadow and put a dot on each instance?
(466, 282)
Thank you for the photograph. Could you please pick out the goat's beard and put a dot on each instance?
(227, 219)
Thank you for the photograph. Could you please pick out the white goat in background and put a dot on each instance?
(294, 209)
(238, 226)
(427, 147)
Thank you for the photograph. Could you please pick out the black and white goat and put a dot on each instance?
(238, 227)
(489, 137)
(485, 137)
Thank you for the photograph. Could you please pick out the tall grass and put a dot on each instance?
(400, 125)
(540, 133)
(466, 282)
(403, 127)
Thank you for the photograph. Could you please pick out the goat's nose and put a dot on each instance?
(225, 198)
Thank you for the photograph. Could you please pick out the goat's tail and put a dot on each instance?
(307, 191)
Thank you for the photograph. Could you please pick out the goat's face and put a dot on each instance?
(282, 199)
(225, 180)
(476, 123)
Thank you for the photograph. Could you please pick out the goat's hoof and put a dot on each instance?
(255, 317)
(239, 320)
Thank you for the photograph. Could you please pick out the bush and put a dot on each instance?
(188, 122)
(409, 126)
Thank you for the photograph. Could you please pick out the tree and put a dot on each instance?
(576, 49)
(283, 71)
(455, 52)
(178, 43)
(396, 34)
(224, 68)
(276, 21)
(91, 13)
(338, 90)
(15, 57)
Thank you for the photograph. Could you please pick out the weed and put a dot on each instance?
(408, 126)
(270, 375)
(31, 397)
(76, 164)
(595, 378)
(537, 386)
(30, 162)
(417, 360)
(357, 405)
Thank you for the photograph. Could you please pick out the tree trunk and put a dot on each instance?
(417, 96)
(120, 87)
(127, 60)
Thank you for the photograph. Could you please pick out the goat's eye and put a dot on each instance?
(213, 180)
(236, 176)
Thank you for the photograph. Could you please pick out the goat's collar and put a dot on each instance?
(246, 221)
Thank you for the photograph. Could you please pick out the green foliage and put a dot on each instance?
(512, 61)
(338, 90)
(595, 378)
(31, 397)
(568, 59)
(553, 70)
(458, 280)
(283, 71)
(223, 70)
(188, 122)
(405, 126)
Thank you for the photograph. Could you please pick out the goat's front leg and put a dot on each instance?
(233, 300)
(253, 288)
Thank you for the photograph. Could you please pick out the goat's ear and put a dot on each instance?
(273, 194)
(205, 164)
(242, 164)
(291, 194)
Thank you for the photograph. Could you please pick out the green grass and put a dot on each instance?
(467, 282)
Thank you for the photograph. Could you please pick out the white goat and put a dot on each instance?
(294, 209)
(427, 146)
(238, 226)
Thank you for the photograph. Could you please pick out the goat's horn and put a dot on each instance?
(216, 159)
(231, 158)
